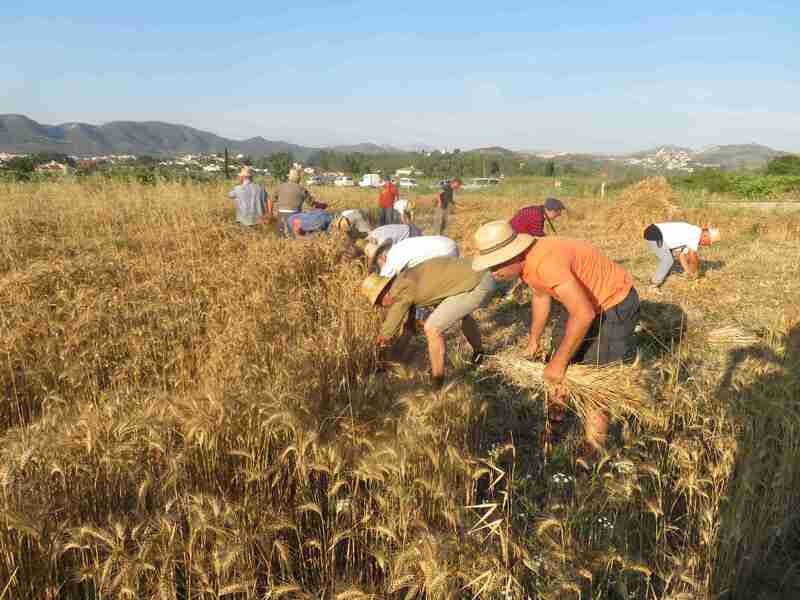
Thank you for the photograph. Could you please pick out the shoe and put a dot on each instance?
(477, 358)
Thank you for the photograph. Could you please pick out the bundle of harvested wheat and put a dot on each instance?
(618, 390)
(730, 335)
(649, 201)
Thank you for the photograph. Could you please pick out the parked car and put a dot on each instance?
(371, 180)
(315, 180)
(407, 182)
(480, 183)
(344, 181)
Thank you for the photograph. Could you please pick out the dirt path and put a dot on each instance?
(763, 206)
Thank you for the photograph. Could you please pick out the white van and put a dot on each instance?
(344, 181)
(371, 180)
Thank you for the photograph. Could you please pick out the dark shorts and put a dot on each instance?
(610, 337)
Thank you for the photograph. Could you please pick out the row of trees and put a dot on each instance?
(454, 164)
(780, 177)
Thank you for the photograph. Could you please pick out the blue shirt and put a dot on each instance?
(312, 221)
(251, 202)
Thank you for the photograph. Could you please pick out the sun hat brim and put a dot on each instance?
(517, 246)
(376, 291)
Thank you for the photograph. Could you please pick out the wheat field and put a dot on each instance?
(195, 411)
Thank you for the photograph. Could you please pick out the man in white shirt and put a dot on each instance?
(393, 233)
(412, 252)
(669, 241)
(405, 209)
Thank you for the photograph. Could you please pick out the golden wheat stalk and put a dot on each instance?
(730, 335)
(617, 389)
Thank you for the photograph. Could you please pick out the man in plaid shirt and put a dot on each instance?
(531, 219)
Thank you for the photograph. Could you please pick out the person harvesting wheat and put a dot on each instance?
(669, 241)
(601, 303)
(446, 284)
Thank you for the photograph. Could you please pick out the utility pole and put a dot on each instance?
(603, 185)
(226, 163)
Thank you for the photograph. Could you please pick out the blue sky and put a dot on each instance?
(569, 76)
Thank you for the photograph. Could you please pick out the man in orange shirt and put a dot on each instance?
(389, 195)
(601, 303)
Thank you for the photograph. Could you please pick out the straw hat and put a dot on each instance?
(341, 224)
(497, 243)
(373, 285)
(714, 235)
(294, 176)
(373, 250)
(246, 172)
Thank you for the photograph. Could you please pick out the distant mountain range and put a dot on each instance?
(365, 149)
(23, 135)
(737, 155)
(20, 134)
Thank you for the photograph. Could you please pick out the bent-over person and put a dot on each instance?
(532, 219)
(602, 306)
(315, 221)
(669, 241)
(405, 209)
(414, 251)
(353, 223)
(393, 233)
(446, 283)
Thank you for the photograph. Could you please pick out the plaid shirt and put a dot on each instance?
(529, 220)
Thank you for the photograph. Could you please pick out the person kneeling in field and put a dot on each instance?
(669, 241)
(391, 259)
(315, 221)
(451, 286)
(601, 303)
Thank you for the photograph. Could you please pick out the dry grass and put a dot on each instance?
(193, 411)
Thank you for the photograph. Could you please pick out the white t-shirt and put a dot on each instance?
(679, 235)
(357, 219)
(413, 251)
(393, 233)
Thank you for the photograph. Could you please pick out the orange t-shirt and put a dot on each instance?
(552, 261)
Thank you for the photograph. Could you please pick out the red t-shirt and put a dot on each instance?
(389, 195)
